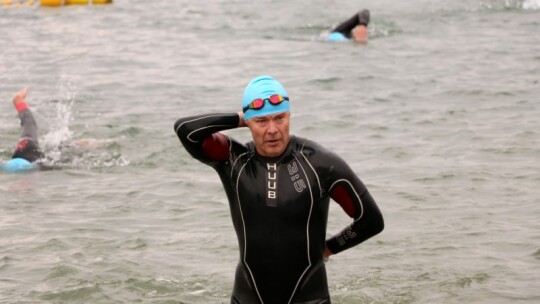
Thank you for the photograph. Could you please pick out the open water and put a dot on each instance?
(438, 114)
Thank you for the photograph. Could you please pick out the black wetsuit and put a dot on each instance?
(346, 27)
(28, 145)
(279, 208)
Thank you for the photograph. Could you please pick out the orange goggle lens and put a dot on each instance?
(258, 103)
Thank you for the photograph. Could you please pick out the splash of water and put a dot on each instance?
(531, 4)
(509, 4)
(60, 147)
(59, 133)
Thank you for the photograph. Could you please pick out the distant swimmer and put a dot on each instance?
(355, 28)
(279, 188)
(27, 153)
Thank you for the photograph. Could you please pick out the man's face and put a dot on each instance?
(270, 133)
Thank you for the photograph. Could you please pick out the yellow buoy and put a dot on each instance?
(52, 2)
(87, 1)
(67, 2)
(16, 3)
(77, 1)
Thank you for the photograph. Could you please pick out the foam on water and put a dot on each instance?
(531, 4)
(63, 148)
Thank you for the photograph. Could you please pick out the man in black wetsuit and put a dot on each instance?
(279, 188)
(27, 151)
(355, 28)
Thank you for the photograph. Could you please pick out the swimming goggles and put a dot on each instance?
(259, 103)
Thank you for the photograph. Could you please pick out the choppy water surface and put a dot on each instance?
(438, 115)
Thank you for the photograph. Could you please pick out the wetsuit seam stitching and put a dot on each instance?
(307, 231)
(244, 231)
(313, 169)
(236, 160)
(207, 127)
(198, 118)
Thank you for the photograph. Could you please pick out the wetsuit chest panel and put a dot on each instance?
(276, 204)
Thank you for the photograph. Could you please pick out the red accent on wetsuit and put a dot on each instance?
(342, 197)
(21, 105)
(216, 147)
(23, 142)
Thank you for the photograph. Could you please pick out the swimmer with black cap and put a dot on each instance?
(355, 28)
(279, 188)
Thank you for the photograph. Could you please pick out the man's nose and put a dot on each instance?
(272, 128)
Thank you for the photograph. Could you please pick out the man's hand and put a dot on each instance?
(360, 34)
(241, 122)
(327, 253)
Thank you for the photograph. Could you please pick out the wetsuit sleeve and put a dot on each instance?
(345, 28)
(201, 138)
(351, 194)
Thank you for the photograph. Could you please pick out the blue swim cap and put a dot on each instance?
(264, 87)
(336, 36)
(15, 165)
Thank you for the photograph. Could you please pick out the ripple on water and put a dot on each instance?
(60, 271)
(536, 255)
(83, 291)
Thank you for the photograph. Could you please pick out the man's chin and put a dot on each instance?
(274, 150)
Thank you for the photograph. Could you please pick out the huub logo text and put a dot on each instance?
(272, 181)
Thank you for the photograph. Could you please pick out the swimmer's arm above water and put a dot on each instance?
(201, 137)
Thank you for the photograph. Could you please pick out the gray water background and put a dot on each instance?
(438, 114)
